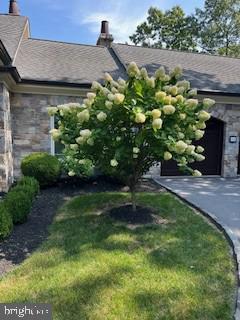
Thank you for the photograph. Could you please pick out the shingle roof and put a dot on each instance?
(43, 60)
(63, 62)
(11, 29)
(206, 72)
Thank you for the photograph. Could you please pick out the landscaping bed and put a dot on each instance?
(95, 267)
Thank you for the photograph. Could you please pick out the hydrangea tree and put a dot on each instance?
(124, 127)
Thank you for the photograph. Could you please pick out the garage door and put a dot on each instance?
(212, 142)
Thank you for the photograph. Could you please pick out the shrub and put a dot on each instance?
(18, 204)
(30, 182)
(6, 223)
(43, 167)
(126, 127)
(28, 190)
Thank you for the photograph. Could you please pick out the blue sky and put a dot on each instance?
(79, 20)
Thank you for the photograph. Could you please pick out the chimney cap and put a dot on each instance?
(13, 8)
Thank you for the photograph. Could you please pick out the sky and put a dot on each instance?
(79, 21)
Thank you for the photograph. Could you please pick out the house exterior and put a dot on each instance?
(37, 73)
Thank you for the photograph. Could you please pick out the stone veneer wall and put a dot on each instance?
(31, 123)
(6, 160)
(230, 114)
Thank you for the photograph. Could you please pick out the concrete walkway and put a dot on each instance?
(219, 198)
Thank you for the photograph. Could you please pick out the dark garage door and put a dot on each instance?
(212, 143)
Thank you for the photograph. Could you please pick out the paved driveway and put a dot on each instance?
(218, 197)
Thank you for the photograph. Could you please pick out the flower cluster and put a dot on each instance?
(126, 126)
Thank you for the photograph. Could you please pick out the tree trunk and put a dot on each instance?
(133, 195)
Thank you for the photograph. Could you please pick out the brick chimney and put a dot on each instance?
(105, 38)
(13, 8)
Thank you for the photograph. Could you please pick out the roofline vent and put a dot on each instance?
(105, 38)
(13, 8)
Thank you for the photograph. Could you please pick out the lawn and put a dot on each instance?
(94, 268)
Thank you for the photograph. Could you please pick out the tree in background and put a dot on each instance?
(215, 29)
(219, 27)
(169, 29)
(125, 127)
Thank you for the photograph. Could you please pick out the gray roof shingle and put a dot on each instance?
(64, 62)
(11, 29)
(206, 72)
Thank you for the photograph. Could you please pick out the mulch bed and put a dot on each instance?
(28, 237)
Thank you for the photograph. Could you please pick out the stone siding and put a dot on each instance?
(230, 115)
(31, 123)
(6, 159)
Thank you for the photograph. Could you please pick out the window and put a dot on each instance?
(56, 146)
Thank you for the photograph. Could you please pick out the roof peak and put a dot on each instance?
(13, 8)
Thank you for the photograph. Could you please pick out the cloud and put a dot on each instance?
(124, 16)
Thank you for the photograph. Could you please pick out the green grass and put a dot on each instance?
(92, 268)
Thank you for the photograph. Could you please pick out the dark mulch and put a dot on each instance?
(27, 237)
(125, 213)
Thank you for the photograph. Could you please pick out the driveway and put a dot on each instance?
(218, 197)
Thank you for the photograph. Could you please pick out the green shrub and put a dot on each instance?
(43, 167)
(30, 182)
(18, 204)
(28, 190)
(6, 223)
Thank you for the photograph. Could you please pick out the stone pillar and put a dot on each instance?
(230, 152)
(6, 159)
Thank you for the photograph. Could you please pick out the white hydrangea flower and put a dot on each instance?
(91, 95)
(199, 134)
(114, 90)
(169, 109)
(199, 157)
(122, 82)
(108, 77)
(111, 97)
(144, 73)
(105, 91)
(190, 149)
(151, 82)
(74, 147)
(200, 149)
(192, 93)
(180, 147)
(82, 161)
(184, 83)
(157, 124)
(55, 133)
(133, 70)
(201, 125)
(80, 140)
(180, 98)
(71, 173)
(168, 100)
(208, 103)
(114, 163)
(136, 150)
(83, 116)
(160, 73)
(123, 129)
(86, 133)
(52, 111)
(167, 156)
(176, 72)
(119, 98)
(102, 116)
(140, 118)
(118, 139)
(203, 115)
(173, 90)
(192, 103)
(96, 86)
(197, 173)
(160, 95)
(156, 113)
(108, 105)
